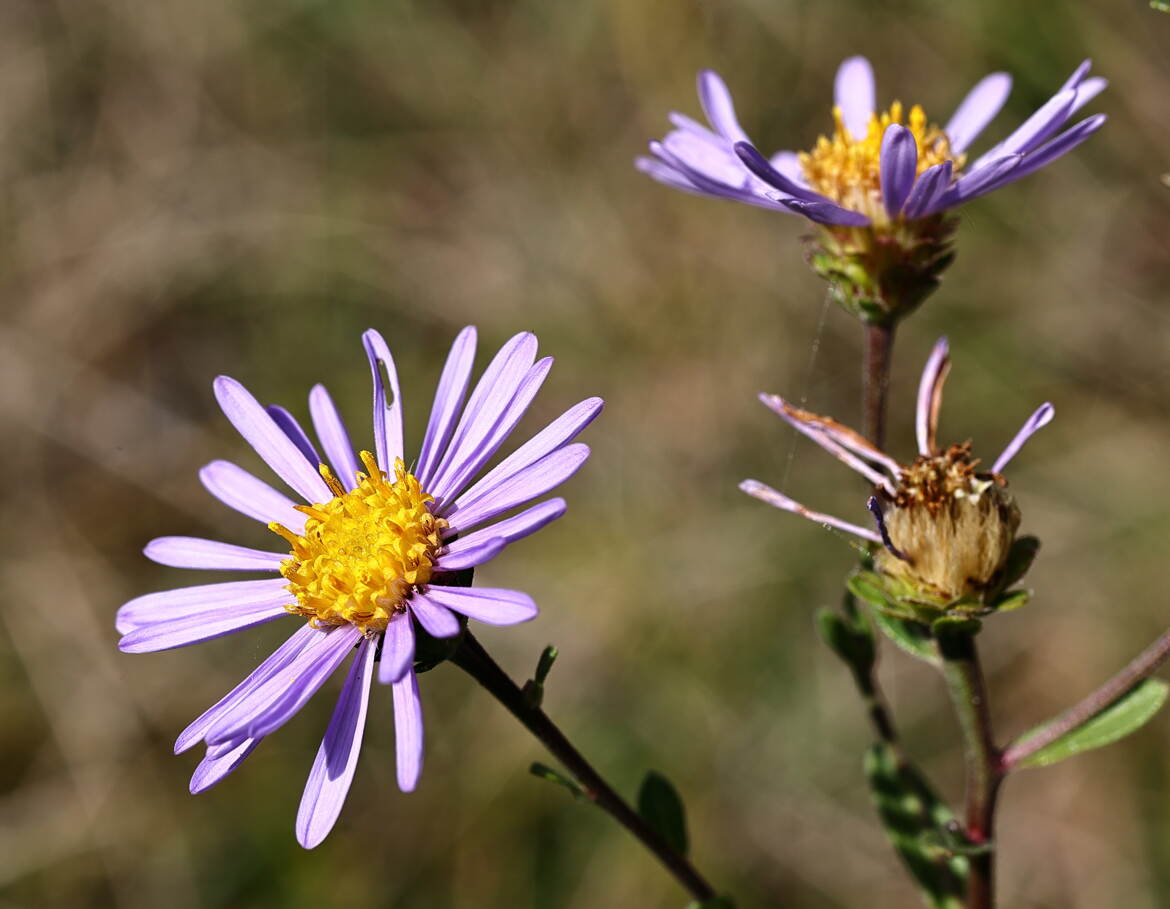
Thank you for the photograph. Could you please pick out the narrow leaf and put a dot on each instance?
(1127, 715)
(554, 776)
(913, 637)
(662, 808)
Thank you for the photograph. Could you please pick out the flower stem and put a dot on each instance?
(476, 662)
(1141, 668)
(875, 379)
(964, 676)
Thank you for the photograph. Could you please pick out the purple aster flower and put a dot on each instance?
(881, 184)
(372, 557)
(942, 529)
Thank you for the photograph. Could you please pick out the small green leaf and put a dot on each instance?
(662, 808)
(1012, 600)
(849, 636)
(913, 637)
(955, 625)
(533, 690)
(1126, 715)
(555, 776)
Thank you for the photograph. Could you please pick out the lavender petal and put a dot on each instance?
(274, 447)
(448, 399)
(853, 93)
(523, 486)
(471, 556)
(977, 183)
(762, 168)
(1050, 151)
(514, 528)
(336, 761)
(194, 552)
(667, 175)
(435, 619)
(898, 162)
(249, 495)
(1042, 417)
(930, 386)
(408, 731)
(767, 494)
(978, 109)
(181, 632)
(717, 105)
(219, 762)
(330, 429)
(297, 435)
(1038, 127)
(495, 606)
(931, 184)
(397, 649)
(828, 213)
(387, 401)
(199, 601)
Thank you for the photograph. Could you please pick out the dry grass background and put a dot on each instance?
(189, 188)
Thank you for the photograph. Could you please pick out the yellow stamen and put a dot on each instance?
(846, 169)
(363, 552)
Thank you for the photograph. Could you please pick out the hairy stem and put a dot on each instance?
(476, 662)
(964, 675)
(875, 379)
(1141, 668)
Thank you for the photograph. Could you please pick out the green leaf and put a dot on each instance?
(1160, 5)
(555, 776)
(1012, 600)
(1126, 715)
(662, 808)
(849, 636)
(913, 637)
(955, 625)
(920, 827)
(534, 688)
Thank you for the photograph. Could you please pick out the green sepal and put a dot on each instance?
(954, 624)
(1013, 599)
(919, 825)
(662, 808)
(1126, 715)
(545, 772)
(912, 637)
(534, 688)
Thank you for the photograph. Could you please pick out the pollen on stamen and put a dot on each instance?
(362, 553)
(847, 169)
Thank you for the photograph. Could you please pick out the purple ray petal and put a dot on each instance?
(194, 552)
(1073, 82)
(898, 162)
(978, 109)
(559, 432)
(762, 168)
(484, 440)
(853, 92)
(1042, 417)
(514, 528)
(448, 399)
(437, 620)
(397, 649)
(719, 174)
(296, 434)
(470, 556)
(495, 606)
(408, 731)
(1087, 91)
(535, 480)
(219, 762)
(767, 494)
(1050, 151)
(274, 447)
(249, 495)
(336, 760)
(280, 658)
(667, 175)
(193, 630)
(788, 164)
(932, 183)
(387, 401)
(930, 387)
(495, 389)
(274, 701)
(827, 213)
(200, 601)
(977, 183)
(718, 106)
(1038, 127)
(334, 437)
(801, 422)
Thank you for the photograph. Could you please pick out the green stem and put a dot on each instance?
(476, 662)
(964, 676)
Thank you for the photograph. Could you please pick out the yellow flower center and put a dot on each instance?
(363, 552)
(846, 169)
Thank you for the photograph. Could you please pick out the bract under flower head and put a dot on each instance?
(944, 539)
(379, 558)
(881, 184)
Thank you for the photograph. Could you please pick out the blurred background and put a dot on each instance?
(194, 188)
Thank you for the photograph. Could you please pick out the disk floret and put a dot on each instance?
(363, 552)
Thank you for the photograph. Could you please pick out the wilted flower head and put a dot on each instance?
(944, 531)
(881, 183)
(376, 549)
